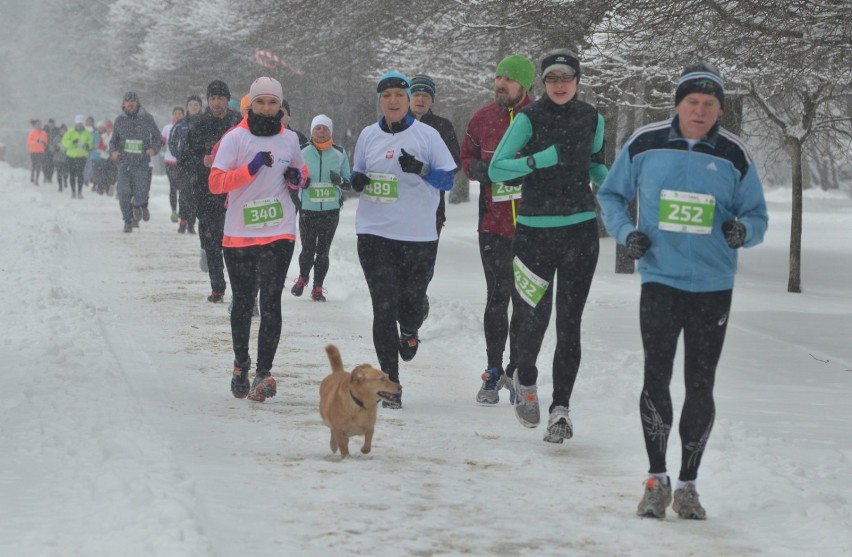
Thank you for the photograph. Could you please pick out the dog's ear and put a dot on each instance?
(357, 375)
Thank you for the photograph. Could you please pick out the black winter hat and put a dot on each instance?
(220, 88)
(131, 96)
(194, 98)
(700, 78)
(562, 60)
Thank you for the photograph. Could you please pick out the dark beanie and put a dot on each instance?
(220, 88)
(700, 78)
(194, 98)
(422, 82)
(131, 96)
(562, 60)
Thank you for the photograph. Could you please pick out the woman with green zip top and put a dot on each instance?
(556, 146)
(329, 170)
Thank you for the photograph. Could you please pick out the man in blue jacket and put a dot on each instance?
(699, 200)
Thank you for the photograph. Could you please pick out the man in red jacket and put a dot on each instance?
(497, 212)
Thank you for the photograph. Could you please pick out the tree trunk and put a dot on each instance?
(610, 114)
(794, 282)
(461, 189)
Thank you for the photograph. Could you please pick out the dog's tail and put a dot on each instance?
(334, 359)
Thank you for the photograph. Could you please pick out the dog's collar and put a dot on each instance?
(357, 401)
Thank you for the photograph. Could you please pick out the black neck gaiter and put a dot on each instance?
(264, 126)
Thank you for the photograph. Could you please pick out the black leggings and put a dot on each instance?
(397, 274)
(703, 317)
(316, 229)
(37, 160)
(265, 265)
(211, 226)
(172, 174)
(571, 254)
(75, 173)
(496, 254)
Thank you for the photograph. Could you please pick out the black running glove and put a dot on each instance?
(359, 181)
(637, 244)
(410, 164)
(478, 170)
(735, 233)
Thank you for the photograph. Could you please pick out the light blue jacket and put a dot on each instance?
(320, 165)
(658, 158)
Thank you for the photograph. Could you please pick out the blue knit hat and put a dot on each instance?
(393, 80)
(422, 82)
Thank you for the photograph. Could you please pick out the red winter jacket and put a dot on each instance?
(484, 133)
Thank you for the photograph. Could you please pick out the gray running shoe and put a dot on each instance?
(657, 497)
(492, 380)
(687, 505)
(559, 426)
(526, 404)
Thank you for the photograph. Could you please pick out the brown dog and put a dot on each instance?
(348, 401)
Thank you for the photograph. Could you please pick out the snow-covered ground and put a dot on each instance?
(119, 435)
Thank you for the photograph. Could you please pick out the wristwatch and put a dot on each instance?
(531, 162)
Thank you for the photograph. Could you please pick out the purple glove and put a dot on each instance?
(293, 175)
(263, 158)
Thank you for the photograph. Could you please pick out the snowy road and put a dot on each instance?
(120, 437)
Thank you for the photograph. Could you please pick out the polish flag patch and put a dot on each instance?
(389, 154)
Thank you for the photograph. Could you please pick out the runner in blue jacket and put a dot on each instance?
(699, 200)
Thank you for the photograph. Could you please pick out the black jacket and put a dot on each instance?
(205, 130)
(448, 134)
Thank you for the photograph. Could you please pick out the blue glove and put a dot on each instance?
(263, 158)
(637, 244)
(735, 233)
(359, 181)
(293, 175)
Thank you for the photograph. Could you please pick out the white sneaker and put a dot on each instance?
(559, 426)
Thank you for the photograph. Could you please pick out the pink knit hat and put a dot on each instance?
(266, 87)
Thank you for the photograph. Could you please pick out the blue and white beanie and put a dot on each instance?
(700, 78)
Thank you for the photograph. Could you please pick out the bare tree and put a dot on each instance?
(791, 59)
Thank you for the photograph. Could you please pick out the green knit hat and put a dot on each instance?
(518, 68)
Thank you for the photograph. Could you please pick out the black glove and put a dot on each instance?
(409, 164)
(359, 181)
(735, 233)
(260, 159)
(336, 178)
(478, 170)
(293, 175)
(637, 244)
